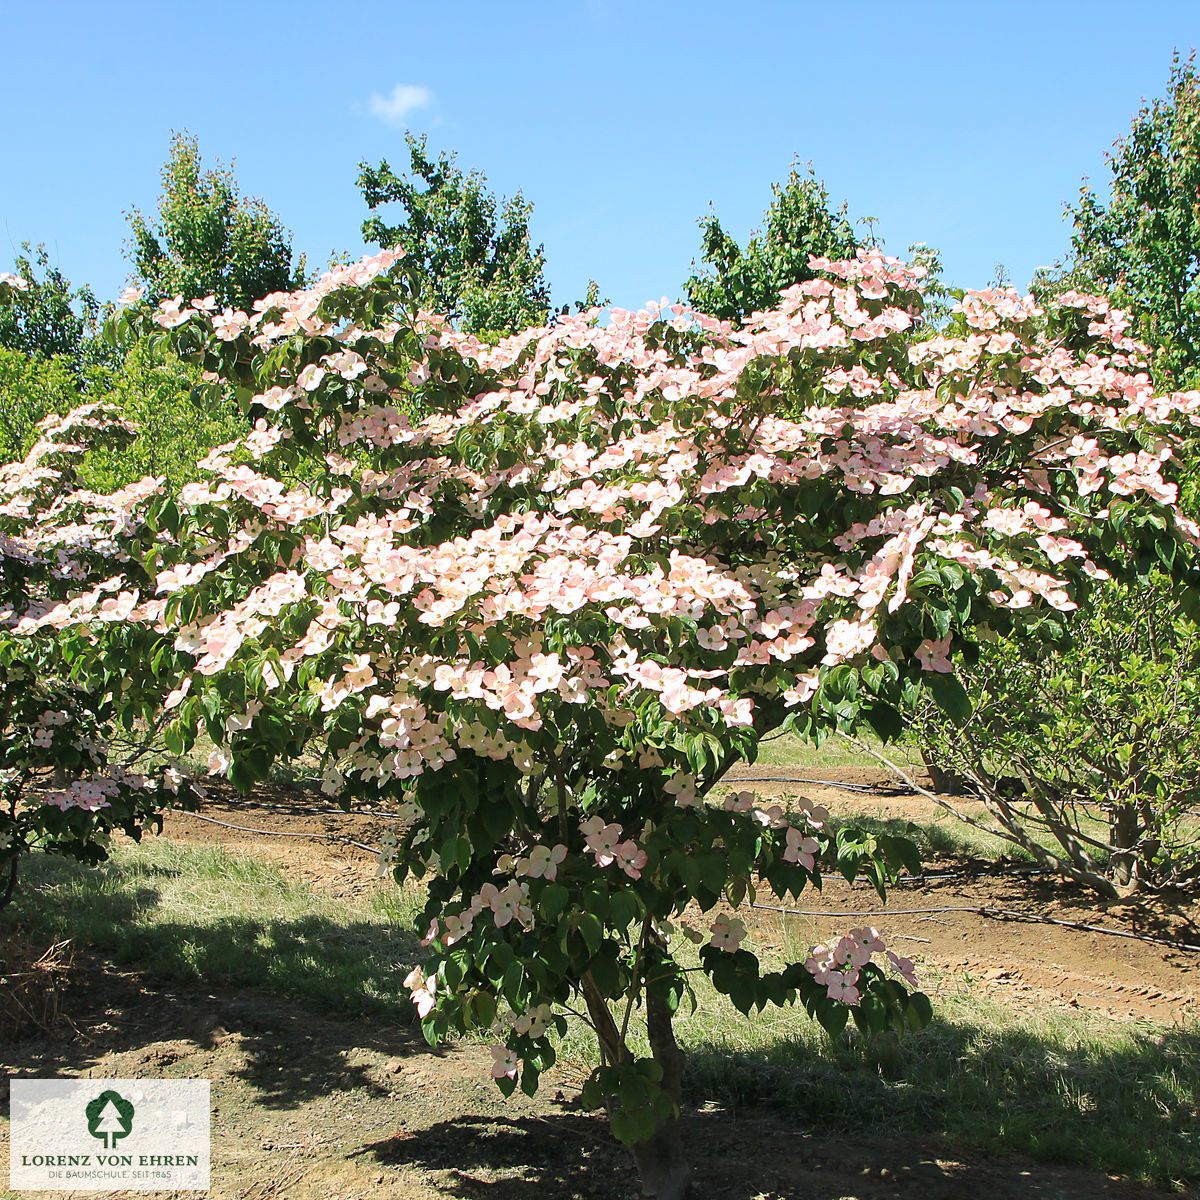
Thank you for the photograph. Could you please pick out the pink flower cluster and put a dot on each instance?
(837, 966)
(94, 792)
(605, 842)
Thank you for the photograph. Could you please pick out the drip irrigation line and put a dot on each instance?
(1005, 913)
(878, 912)
(316, 812)
(329, 837)
(846, 787)
(985, 873)
(1000, 914)
(981, 910)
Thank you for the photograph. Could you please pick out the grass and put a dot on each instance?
(938, 835)
(1121, 1097)
(194, 913)
(789, 750)
(1118, 1097)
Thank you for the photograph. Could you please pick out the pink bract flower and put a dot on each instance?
(422, 991)
(727, 933)
(602, 840)
(631, 858)
(932, 655)
(801, 849)
(849, 951)
(841, 989)
(543, 862)
(868, 938)
(505, 1063)
(904, 967)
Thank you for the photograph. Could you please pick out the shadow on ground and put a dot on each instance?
(571, 1157)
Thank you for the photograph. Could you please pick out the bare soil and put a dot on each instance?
(308, 1106)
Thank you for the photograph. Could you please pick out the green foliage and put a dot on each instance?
(155, 392)
(208, 240)
(476, 268)
(31, 387)
(173, 432)
(54, 727)
(1095, 744)
(63, 788)
(1143, 246)
(49, 318)
(800, 224)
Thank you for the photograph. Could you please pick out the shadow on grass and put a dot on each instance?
(285, 1052)
(291, 998)
(568, 1156)
(1129, 1107)
(345, 967)
(291, 972)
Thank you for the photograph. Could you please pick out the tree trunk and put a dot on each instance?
(661, 1163)
(945, 783)
(1123, 835)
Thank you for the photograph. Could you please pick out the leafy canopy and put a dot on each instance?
(477, 267)
(1142, 246)
(47, 318)
(209, 240)
(800, 224)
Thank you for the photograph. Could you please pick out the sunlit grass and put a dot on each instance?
(198, 913)
(835, 753)
(1116, 1096)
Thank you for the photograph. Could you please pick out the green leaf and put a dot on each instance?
(630, 1128)
(553, 898)
(592, 931)
(919, 1012)
(900, 851)
(832, 1016)
(949, 695)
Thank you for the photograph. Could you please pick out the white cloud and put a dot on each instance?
(403, 99)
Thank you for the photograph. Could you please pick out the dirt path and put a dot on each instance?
(1034, 963)
(306, 1106)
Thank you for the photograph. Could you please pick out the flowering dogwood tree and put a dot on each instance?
(546, 593)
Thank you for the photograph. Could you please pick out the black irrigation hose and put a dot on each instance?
(1001, 914)
(984, 873)
(846, 787)
(316, 812)
(983, 910)
(329, 837)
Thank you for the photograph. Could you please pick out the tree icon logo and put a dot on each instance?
(109, 1117)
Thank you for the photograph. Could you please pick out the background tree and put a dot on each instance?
(800, 223)
(478, 268)
(49, 318)
(1142, 247)
(154, 391)
(30, 388)
(208, 239)
(1091, 741)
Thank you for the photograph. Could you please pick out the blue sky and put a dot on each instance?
(966, 125)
